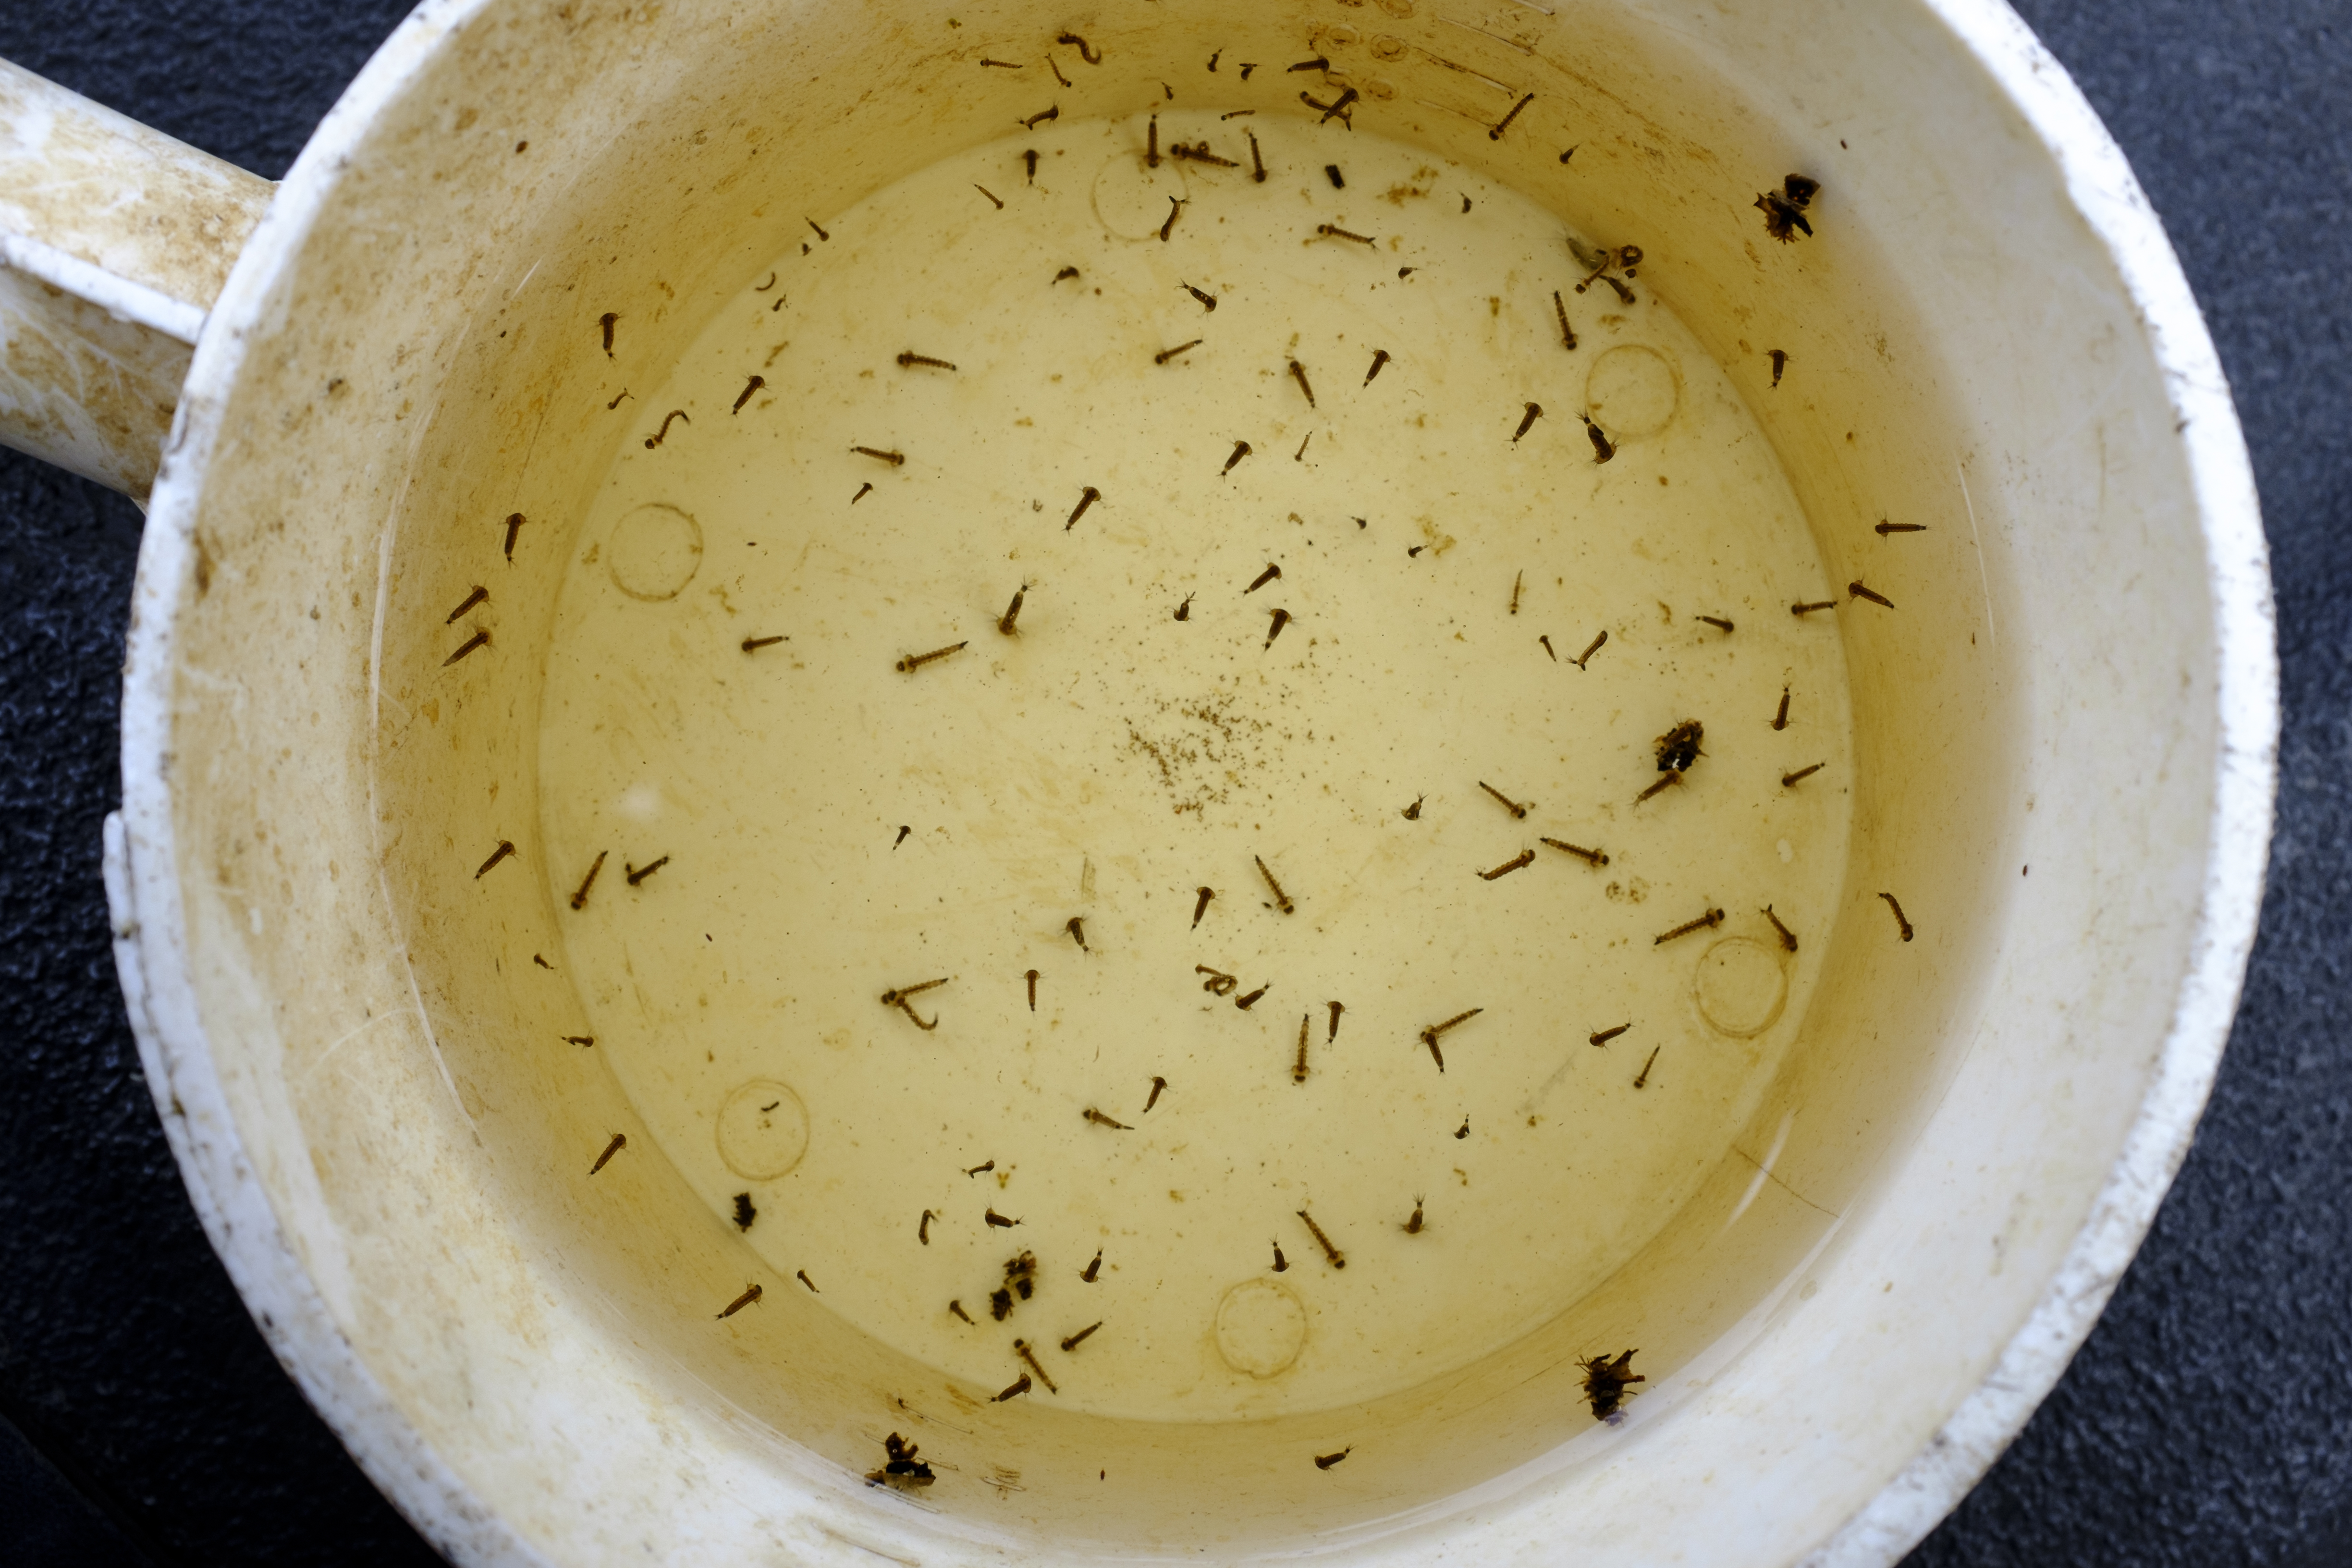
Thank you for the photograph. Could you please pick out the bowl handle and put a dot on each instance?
(114, 242)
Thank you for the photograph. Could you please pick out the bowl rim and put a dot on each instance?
(150, 937)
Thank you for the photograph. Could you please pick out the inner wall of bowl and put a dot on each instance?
(644, 166)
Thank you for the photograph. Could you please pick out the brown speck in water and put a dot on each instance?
(620, 1141)
(580, 897)
(750, 1293)
(542, 963)
(504, 850)
(1706, 921)
(1901, 923)
(1463, 1130)
(1606, 1381)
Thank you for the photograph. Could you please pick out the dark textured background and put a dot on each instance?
(2207, 1421)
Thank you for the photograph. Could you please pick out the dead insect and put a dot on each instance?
(479, 639)
(1281, 899)
(1602, 449)
(1298, 1066)
(1000, 1304)
(1020, 1385)
(910, 359)
(1099, 1119)
(753, 644)
(1859, 592)
(504, 850)
(1075, 1340)
(607, 321)
(913, 662)
(1092, 1269)
(1527, 421)
(514, 526)
(1790, 780)
(1281, 1264)
(658, 437)
(636, 874)
(753, 386)
(998, 1221)
(1330, 232)
(580, 897)
(1780, 720)
(1495, 133)
(1779, 362)
(1885, 528)
(1559, 309)
(1298, 375)
(750, 1294)
(1706, 921)
(1325, 1461)
(1429, 1037)
(1788, 937)
(1603, 1037)
(1606, 1381)
(1021, 1274)
(1414, 1225)
(1021, 1348)
(1784, 209)
(620, 1141)
(1077, 930)
(1807, 609)
(1589, 856)
(1331, 1254)
(1643, 1077)
(957, 1308)
(1525, 858)
(902, 1468)
(1590, 648)
(1901, 923)
(923, 1229)
(1247, 1002)
(1679, 747)
(1513, 806)
(1158, 1084)
(1164, 355)
(1087, 497)
(1218, 983)
(476, 598)
(895, 459)
(1175, 210)
(1208, 301)
(745, 1213)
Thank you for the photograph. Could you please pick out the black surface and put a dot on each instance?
(2207, 1421)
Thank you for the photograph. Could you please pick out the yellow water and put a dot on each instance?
(835, 828)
